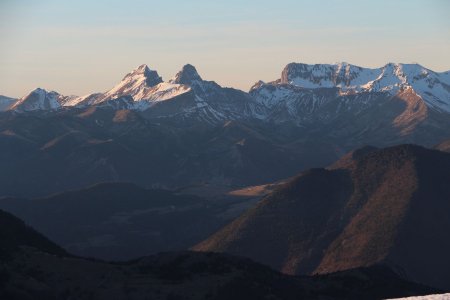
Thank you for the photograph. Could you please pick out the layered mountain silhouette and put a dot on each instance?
(373, 206)
(119, 221)
(32, 267)
(309, 117)
(188, 130)
(305, 95)
(48, 153)
(376, 208)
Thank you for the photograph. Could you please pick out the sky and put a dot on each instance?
(84, 46)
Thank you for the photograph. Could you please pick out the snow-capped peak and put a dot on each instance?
(39, 99)
(144, 85)
(324, 75)
(433, 87)
(134, 83)
(151, 77)
(187, 75)
(142, 68)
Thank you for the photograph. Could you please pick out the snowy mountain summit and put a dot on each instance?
(187, 75)
(135, 83)
(40, 99)
(431, 86)
(144, 85)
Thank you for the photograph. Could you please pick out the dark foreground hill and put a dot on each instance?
(14, 233)
(373, 206)
(119, 221)
(32, 267)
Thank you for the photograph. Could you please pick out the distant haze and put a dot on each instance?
(80, 47)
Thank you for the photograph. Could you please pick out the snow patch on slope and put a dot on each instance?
(82, 101)
(163, 91)
(428, 297)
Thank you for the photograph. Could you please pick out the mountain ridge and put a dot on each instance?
(325, 220)
(198, 131)
(145, 84)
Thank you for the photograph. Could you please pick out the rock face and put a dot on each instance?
(187, 75)
(375, 206)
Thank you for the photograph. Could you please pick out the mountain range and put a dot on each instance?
(187, 130)
(152, 139)
(186, 95)
(292, 91)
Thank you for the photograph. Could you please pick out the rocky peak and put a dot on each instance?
(293, 70)
(187, 75)
(150, 77)
(257, 85)
(38, 99)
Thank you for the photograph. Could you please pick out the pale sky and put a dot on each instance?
(84, 46)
